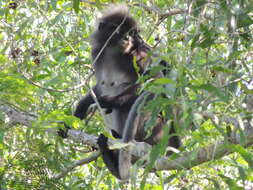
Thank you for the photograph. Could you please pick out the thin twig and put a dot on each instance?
(77, 163)
(172, 12)
(55, 90)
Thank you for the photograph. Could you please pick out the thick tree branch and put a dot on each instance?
(185, 160)
(214, 151)
(13, 116)
(140, 149)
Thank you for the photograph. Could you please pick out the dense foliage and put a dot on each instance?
(45, 67)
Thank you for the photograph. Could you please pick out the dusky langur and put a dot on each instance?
(115, 45)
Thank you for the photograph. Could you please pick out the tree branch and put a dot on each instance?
(214, 151)
(140, 149)
(57, 90)
(172, 12)
(14, 116)
(77, 163)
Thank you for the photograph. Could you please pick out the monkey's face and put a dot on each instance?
(127, 44)
(114, 29)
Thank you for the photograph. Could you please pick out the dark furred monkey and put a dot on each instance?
(115, 44)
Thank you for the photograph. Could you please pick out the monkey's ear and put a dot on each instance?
(101, 25)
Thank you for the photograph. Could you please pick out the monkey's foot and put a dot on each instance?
(102, 142)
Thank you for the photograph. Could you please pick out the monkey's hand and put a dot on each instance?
(63, 132)
(117, 101)
(107, 102)
(127, 96)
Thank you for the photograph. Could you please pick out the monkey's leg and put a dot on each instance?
(110, 157)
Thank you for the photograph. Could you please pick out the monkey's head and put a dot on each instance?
(115, 25)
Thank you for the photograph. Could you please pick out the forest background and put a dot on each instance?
(45, 68)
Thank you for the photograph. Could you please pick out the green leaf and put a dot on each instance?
(222, 69)
(76, 5)
(136, 66)
(170, 178)
(247, 156)
(232, 184)
(215, 183)
(242, 172)
(197, 6)
(1, 137)
(206, 42)
(194, 41)
(211, 88)
(156, 151)
(164, 81)
(243, 20)
(56, 19)
(54, 3)
(2, 116)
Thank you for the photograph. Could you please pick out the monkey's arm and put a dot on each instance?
(81, 109)
(83, 105)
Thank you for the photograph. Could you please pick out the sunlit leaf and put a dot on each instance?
(230, 182)
(244, 20)
(76, 5)
(211, 88)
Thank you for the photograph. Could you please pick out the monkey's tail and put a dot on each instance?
(129, 134)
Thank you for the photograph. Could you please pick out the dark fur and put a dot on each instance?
(116, 86)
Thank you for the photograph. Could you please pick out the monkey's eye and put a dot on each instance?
(126, 37)
(131, 33)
